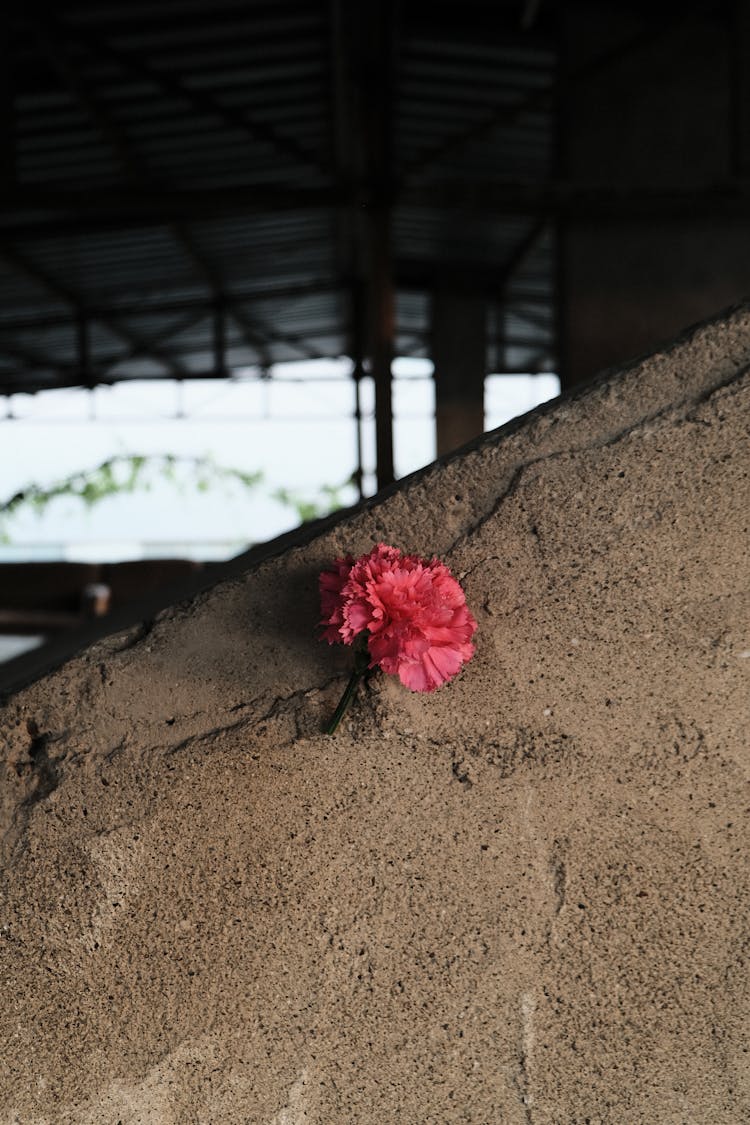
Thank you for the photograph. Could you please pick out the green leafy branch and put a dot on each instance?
(330, 500)
(130, 473)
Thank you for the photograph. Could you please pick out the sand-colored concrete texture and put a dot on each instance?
(522, 899)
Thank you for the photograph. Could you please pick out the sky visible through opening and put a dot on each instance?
(297, 428)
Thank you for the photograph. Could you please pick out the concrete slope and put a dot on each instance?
(522, 899)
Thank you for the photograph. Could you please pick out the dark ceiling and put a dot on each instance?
(196, 186)
(191, 187)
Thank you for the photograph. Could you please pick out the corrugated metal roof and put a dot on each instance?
(172, 160)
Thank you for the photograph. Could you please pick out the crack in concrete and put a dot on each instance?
(49, 773)
(677, 411)
(283, 705)
(200, 736)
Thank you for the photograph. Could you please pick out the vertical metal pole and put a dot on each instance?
(502, 331)
(459, 352)
(377, 39)
(8, 165)
(347, 146)
(220, 338)
(358, 351)
(739, 109)
(84, 349)
(382, 328)
(359, 471)
(560, 125)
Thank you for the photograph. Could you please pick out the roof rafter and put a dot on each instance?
(467, 277)
(540, 99)
(74, 375)
(176, 305)
(533, 319)
(201, 100)
(209, 273)
(160, 337)
(521, 250)
(32, 358)
(62, 212)
(256, 334)
(136, 170)
(39, 276)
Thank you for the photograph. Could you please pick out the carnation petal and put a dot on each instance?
(414, 676)
(331, 584)
(414, 611)
(443, 662)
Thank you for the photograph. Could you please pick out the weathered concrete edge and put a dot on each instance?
(26, 669)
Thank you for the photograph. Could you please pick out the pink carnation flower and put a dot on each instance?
(331, 604)
(413, 612)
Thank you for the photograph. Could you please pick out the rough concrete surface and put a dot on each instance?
(522, 899)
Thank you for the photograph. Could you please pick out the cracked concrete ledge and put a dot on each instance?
(522, 899)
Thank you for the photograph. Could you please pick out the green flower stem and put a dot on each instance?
(361, 663)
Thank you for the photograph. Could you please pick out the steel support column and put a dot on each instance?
(382, 310)
(459, 352)
(377, 46)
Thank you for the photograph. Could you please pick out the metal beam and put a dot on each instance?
(495, 24)
(504, 115)
(82, 90)
(522, 249)
(346, 139)
(267, 335)
(541, 99)
(160, 337)
(170, 305)
(357, 337)
(382, 328)
(70, 213)
(21, 386)
(466, 277)
(514, 339)
(534, 319)
(739, 78)
(84, 350)
(350, 179)
(529, 14)
(208, 273)
(66, 211)
(7, 107)
(509, 267)
(220, 338)
(31, 357)
(459, 352)
(577, 199)
(201, 100)
(348, 169)
(221, 14)
(376, 48)
(13, 256)
(100, 375)
(136, 169)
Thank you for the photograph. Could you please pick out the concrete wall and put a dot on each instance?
(521, 899)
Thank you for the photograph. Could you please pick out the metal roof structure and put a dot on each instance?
(190, 188)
